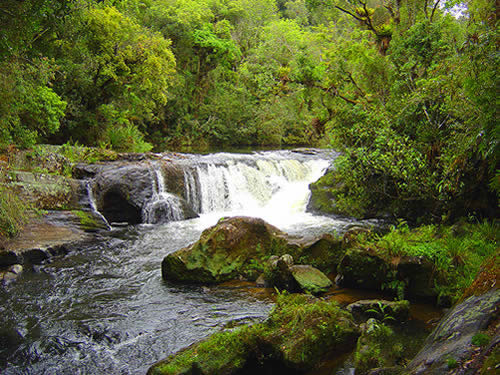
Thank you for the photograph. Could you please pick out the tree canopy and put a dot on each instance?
(405, 89)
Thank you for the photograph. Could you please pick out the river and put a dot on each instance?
(104, 308)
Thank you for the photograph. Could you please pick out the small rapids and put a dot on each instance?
(104, 308)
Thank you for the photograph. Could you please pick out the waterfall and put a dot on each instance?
(262, 185)
(163, 206)
(93, 205)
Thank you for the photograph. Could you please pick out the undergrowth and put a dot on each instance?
(456, 252)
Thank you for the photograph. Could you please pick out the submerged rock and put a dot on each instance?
(232, 248)
(299, 333)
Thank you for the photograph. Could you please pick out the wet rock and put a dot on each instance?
(451, 340)
(323, 253)
(226, 251)
(387, 311)
(310, 279)
(16, 269)
(8, 277)
(35, 256)
(8, 258)
(290, 342)
(361, 268)
(122, 190)
(419, 275)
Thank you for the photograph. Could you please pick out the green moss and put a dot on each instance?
(300, 331)
(87, 221)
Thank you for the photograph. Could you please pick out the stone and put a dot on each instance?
(324, 253)
(419, 275)
(310, 279)
(122, 190)
(361, 268)
(386, 311)
(226, 251)
(452, 338)
(16, 269)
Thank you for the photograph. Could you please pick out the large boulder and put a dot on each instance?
(362, 268)
(299, 333)
(451, 343)
(226, 251)
(324, 253)
(123, 190)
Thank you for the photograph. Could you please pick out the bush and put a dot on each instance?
(13, 214)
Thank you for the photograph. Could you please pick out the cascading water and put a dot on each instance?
(270, 185)
(104, 308)
(93, 204)
(163, 206)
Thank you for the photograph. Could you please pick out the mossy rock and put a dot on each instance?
(226, 251)
(300, 332)
(363, 268)
(387, 311)
(452, 338)
(46, 191)
(324, 253)
(377, 347)
(310, 279)
(419, 275)
(322, 195)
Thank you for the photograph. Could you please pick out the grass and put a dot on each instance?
(14, 214)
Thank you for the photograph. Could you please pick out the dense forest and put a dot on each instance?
(405, 89)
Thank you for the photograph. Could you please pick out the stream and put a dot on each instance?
(104, 308)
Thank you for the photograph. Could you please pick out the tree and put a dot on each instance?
(117, 76)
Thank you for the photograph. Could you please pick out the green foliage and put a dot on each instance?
(451, 363)
(456, 252)
(14, 213)
(29, 109)
(480, 339)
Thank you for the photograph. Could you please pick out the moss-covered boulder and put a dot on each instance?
(377, 347)
(310, 279)
(232, 248)
(322, 198)
(419, 275)
(299, 333)
(324, 253)
(363, 268)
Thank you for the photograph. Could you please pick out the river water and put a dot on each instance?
(104, 308)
